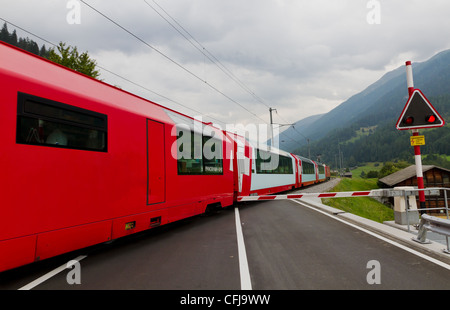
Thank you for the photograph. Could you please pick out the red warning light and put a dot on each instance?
(409, 120)
(431, 119)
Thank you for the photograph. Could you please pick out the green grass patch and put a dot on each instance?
(362, 206)
(368, 167)
(362, 132)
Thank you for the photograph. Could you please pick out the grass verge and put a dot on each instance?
(362, 206)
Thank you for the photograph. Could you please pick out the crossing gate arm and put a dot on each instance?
(372, 193)
(310, 195)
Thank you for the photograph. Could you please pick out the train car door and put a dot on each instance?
(156, 177)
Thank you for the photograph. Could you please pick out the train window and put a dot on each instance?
(308, 168)
(45, 122)
(321, 169)
(263, 160)
(198, 155)
(189, 156)
(269, 163)
(212, 156)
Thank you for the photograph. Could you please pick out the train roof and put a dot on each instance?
(268, 148)
(28, 65)
(304, 158)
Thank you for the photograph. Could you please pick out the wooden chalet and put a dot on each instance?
(433, 176)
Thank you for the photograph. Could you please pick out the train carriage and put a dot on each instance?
(309, 171)
(84, 162)
(272, 171)
(327, 172)
(321, 172)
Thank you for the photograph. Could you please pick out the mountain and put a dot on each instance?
(352, 109)
(369, 117)
(293, 137)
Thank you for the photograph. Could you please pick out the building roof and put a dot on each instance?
(405, 174)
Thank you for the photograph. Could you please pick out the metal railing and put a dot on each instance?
(434, 224)
(427, 222)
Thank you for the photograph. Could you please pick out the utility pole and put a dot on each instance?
(271, 126)
(281, 125)
(309, 149)
(340, 158)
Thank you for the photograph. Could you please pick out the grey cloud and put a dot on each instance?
(298, 55)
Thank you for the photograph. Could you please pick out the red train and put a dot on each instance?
(83, 162)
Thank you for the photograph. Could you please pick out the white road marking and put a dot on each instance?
(243, 263)
(49, 275)
(429, 258)
(246, 283)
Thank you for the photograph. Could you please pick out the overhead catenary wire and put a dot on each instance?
(116, 74)
(203, 50)
(146, 88)
(230, 74)
(170, 59)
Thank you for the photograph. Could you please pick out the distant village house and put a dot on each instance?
(433, 176)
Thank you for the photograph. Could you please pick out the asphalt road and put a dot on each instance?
(294, 247)
(288, 247)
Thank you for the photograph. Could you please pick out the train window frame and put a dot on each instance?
(321, 169)
(203, 165)
(71, 127)
(308, 168)
(284, 163)
(192, 165)
(213, 165)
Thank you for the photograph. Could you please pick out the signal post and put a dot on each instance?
(415, 132)
(418, 113)
(419, 170)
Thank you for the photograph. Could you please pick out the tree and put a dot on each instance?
(4, 33)
(13, 38)
(71, 58)
(391, 167)
(372, 174)
(66, 56)
(43, 52)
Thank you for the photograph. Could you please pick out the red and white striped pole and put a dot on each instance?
(415, 132)
(409, 78)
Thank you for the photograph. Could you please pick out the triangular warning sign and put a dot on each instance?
(419, 113)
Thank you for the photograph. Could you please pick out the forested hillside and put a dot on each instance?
(370, 134)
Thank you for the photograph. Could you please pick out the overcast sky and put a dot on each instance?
(240, 57)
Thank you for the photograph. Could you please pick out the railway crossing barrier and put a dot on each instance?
(405, 207)
(396, 192)
(434, 224)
